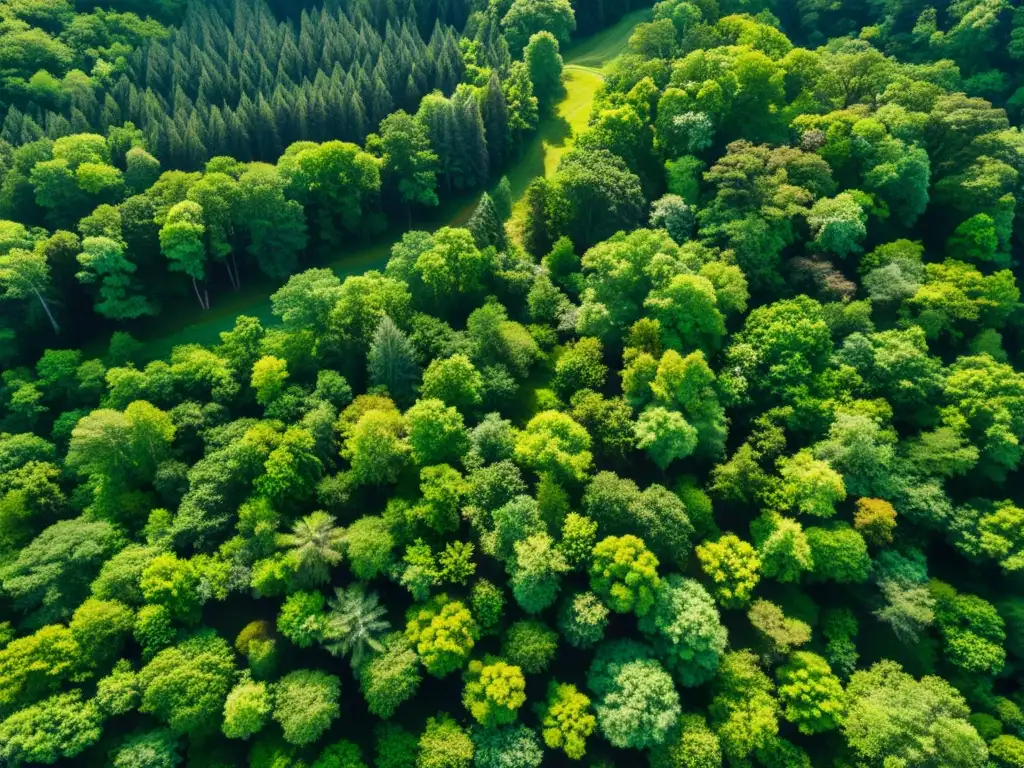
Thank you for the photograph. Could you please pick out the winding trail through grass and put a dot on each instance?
(553, 138)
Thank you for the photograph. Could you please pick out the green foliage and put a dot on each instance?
(353, 624)
(744, 711)
(734, 568)
(810, 695)
(390, 677)
(685, 630)
(625, 574)
(186, 685)
(695, 746)
(444, 744)
(443, 632)
(246, 709)
(61, 726)
(892, 716)
(536, 572)
(509, 747)
(305, 704)
(553, 442)
(862, 420)
(530, 645)
(637, 704)
(583, 620)
(566, 720)
(494, 691)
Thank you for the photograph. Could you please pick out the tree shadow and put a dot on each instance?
(554, 131)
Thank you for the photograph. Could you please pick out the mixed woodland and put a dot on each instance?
(703, 451)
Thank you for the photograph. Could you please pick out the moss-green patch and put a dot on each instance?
(599, 49)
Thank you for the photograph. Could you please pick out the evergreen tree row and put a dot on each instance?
(234, 80)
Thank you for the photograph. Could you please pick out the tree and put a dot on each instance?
(376, 447)
(671, 213)
(186, 685)
(486, 225)
(655, 39)
(810, 486)
(624, 574)
(444, 744)
(369, 545)
(353, 624)
(50, 576)
(315, 546)
(390, 677)
(545, 63)
(453, 380)
(494, 691)
(687, 310)
(527, 17)
(409, 161)
(181, 240)
(530, 645)
(276, 226)
(566, 720)
(25, 274)
(30, 736)
(892, 716)
(592, 195)
(780, 634)
(436, 432)
(174, 584)
(811, 696)
(269, 374)
(637, 704)
(686, 631)
(553, 442)
(580, 366)
(665, 435)
(839, 553)
(391, 362)
(157, 747)
(246, 709)
(536, 572)
(305, 704)
(734, 567)
(695, 746)
(301, 618)
(744, 712)
(443, 632)
(583, 620)
(509, 747)
(838, 224)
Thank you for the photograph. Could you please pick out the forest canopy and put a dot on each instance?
(700, 449)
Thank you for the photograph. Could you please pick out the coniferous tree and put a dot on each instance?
(391, 362)
(486, 226)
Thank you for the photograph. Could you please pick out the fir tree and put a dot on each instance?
(391, 362)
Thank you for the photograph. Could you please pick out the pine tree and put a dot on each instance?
(485, 225)
(502, 197)
(494, 111)
(391, 362)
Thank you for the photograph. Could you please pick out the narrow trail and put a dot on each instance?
(584, 63)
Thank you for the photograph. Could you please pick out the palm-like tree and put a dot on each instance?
(354, 623)
(315, 545)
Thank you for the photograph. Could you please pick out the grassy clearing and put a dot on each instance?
(598, 50)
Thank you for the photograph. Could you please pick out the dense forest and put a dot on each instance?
(703, 451)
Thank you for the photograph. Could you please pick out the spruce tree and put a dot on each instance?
(486, 226)
(391, 362)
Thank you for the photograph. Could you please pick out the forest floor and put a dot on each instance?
(583, 64)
